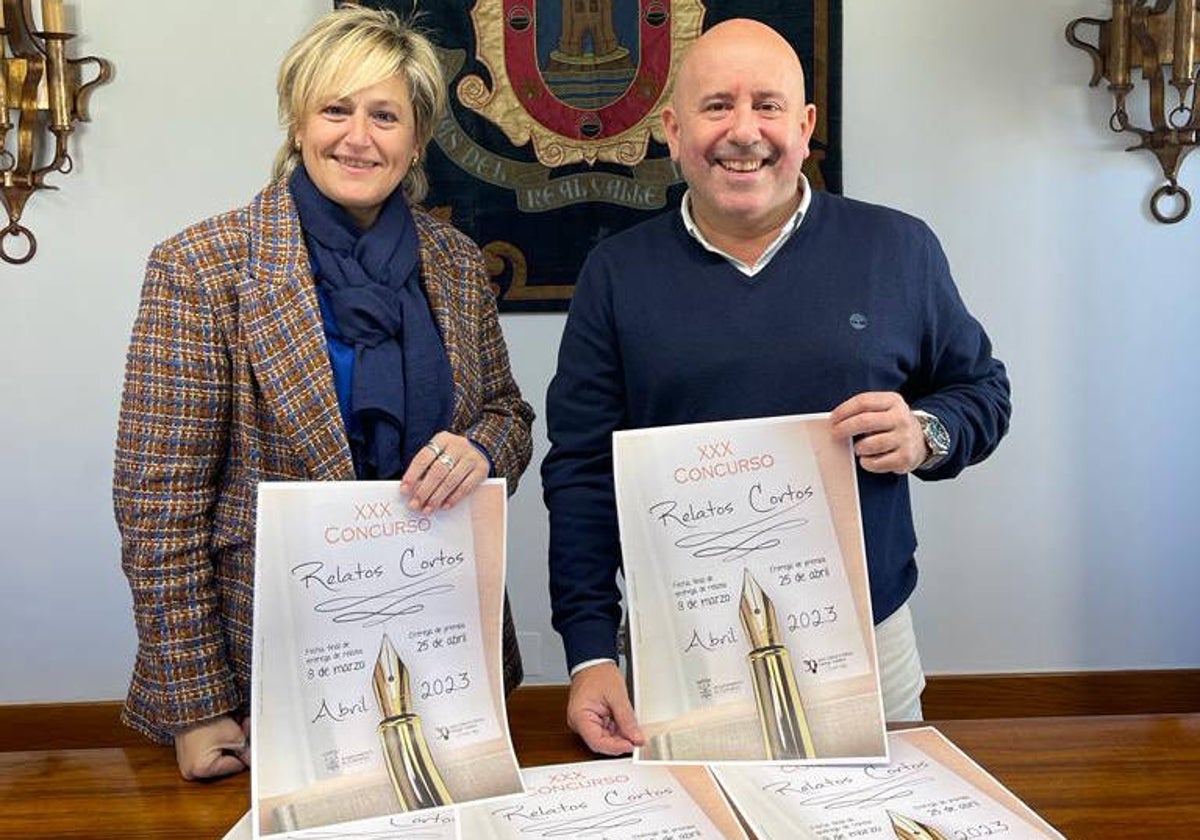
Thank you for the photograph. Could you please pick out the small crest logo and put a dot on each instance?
(582, 80)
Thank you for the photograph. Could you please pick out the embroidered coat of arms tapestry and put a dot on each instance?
(553, 138)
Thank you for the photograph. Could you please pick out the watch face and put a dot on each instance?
(935, 434)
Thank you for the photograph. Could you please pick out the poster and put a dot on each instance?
(608, 799)
(930, 790)
(750, 619)
(377, 680)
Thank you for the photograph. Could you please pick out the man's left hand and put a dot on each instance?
(887, 436)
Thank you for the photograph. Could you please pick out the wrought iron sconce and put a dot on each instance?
(44, 88)
(1163, 43)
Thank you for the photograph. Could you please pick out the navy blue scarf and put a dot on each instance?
(401, 391)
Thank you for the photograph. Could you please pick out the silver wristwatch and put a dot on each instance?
(936, 438)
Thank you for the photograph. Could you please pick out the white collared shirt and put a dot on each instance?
(785, 233)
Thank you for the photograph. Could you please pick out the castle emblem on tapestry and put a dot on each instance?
(583, 95)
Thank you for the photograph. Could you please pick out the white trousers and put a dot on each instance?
(900, 673)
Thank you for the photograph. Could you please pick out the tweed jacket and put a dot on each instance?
(228, 383)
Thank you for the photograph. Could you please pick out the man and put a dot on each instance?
(759, 298)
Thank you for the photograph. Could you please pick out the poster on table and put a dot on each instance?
(377, 684)
(930, 790)
(437, 824)
(608, 799)
(751, 633)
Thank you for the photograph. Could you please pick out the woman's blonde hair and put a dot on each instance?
(349, 49)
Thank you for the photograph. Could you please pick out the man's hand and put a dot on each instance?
(887, 437)
(216, 747)
(599, 710)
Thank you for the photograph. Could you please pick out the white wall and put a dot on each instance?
(1074, 547)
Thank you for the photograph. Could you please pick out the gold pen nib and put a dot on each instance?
(390, 682)
(758, 614)
(907, 828)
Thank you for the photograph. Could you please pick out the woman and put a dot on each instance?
(329, 330)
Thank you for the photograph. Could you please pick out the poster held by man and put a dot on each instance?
(751, 633)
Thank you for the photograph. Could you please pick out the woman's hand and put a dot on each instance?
(441, 475)
(211, 748)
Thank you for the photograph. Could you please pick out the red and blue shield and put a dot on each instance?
(587, 69)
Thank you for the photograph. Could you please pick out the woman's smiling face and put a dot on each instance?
(358, 149)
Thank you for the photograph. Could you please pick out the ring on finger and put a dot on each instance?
(446, 460)
(437, 450)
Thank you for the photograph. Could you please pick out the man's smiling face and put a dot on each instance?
(739, 128)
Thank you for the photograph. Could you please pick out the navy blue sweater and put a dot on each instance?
(663, 332)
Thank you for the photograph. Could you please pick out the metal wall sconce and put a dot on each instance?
(44, 88)
(1159, 37)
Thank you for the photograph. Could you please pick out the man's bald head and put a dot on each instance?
(738, 33)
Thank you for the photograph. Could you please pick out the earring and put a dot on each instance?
(415, 159)
(296, 144)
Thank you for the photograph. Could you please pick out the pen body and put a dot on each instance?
(780, 713)
(415, 777)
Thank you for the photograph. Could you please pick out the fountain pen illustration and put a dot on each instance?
(907, 828)
(780, 713)
(415, 777)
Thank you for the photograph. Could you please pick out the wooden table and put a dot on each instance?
(1094, 778)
